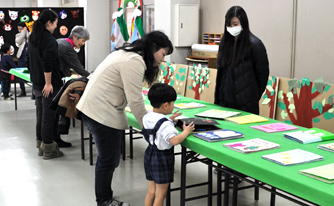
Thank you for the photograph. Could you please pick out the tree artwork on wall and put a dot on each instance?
(200, 79)
(269, 98)
(174, 75)
(306, 103)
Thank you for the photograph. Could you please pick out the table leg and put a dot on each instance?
(235, 190)
(219, 185)
(131, 142)
(183, 176)
(226, 188)
(209, 183)
(273, 196)
(15, 95)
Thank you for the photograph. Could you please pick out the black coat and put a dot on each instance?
(250, 79)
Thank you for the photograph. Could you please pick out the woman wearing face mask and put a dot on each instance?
(242, 65)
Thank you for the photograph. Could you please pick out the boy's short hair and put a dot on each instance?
(161, 93)
(5, 47)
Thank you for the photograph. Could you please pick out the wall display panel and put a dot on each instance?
(67, 19)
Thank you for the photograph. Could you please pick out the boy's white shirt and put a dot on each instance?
(165, 132)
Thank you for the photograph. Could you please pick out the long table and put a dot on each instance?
(18, 73)
(285, 178)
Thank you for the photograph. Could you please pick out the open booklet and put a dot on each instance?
(218, 135)
(252, 145)
(217, 114)
(274, 127)
(323, 173)
(293, 157)
(309, 135)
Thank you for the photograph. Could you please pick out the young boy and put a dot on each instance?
(161, 134)
(6, 64)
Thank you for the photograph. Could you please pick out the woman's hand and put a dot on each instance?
(48, 88)
(175, 114)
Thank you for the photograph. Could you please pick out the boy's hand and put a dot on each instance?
(189, 128)
(174, 115)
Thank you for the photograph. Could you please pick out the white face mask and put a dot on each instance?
(234, 31)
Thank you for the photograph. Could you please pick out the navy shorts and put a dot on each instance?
(159, 165)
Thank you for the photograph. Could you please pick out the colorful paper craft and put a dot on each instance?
(188, 105)
(252, 145)
(309, 136)
(218, 135)
(274, 127)
(217, 114)
(247, 119)
(293, 157)
(323, 173)
(327, 147)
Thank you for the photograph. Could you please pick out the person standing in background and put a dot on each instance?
(21, 40)
(242, 64)
(46, 78)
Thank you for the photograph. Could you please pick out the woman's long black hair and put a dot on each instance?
(39, 26)
(146, 47)
(227, 55)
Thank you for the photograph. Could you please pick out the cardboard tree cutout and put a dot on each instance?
(305, 103)
(269, 98)
(200, 79)
(174, 75)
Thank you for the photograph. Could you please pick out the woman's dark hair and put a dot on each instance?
(226, 53)
(39, 26)
(146, 47)
(5, 47)
(161, 93)
(22, 24)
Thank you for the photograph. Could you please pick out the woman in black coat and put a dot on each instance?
(242, 64)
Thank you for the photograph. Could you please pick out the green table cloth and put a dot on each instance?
(286, 178)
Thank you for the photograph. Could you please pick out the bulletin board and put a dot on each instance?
(74, 16)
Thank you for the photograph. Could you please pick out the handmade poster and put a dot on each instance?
(305, 103)
(174, 75)
(293, 157)
(309, 136)
(218, 135)
(201, 83)
(268, 100)
(252, 145)
(323, 173)
(217, 114)
(247, 119)
(274, 127)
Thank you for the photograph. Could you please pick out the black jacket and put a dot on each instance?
(44, 58)
(249, 79)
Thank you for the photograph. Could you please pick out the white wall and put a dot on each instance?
(15, 3)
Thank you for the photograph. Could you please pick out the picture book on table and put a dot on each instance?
(218, 135)
(323, 173)
(201, 125)
(292, 157)
(247, 119)
(149, 108)
(189, 105)
(327, 147)
(217, 114)
(252, 145)
(309, 135)
(274, 127)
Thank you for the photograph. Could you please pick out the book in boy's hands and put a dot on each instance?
(252, 145)
(189, 105)
(274, 127)
(201, 125)
(247, 119)
(327, 147)
(293, 157)
(309, 135)
(323, 173)
(217, 114)
(218, 135)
